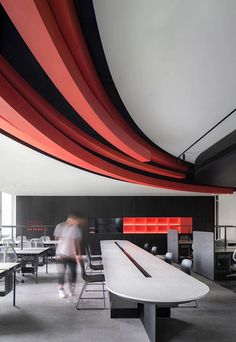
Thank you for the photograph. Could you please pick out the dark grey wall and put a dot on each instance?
(53, 209)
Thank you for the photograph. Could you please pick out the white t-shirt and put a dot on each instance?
(67, 234)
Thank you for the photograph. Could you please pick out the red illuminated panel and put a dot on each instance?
(186, 225)
(156, 225)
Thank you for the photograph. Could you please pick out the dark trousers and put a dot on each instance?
(63, 264)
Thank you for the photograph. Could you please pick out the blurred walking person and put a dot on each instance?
(69, 236)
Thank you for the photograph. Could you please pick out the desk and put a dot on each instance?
(223, 261)
(227, 250)
(7, 269)
(165, 287)
(185, 242)
(231, 243)
(51, 243)
(46, 243)
(35, 253)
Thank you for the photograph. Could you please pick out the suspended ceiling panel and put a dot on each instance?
(173, 63)
(26, 172)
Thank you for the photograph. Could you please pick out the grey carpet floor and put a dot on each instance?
(41, 316)
(229, 284)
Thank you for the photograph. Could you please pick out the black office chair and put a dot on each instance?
(91, 265)
(232, 273)
(45, 238)
(186, 266)
(94, 257)
(25, 259)
(8, 255)
(8, 242)
(36, 243)
(88, 280)
(233, 266)
(219, 243)
(154, 250)
(146, 246)
(168, 257)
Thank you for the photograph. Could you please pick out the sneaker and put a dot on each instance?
(72, 299)
(61, 293)
(72, 290)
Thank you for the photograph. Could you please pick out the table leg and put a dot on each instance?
(150, 314)
(122, 308)
(36, 268)
(148, 318)
(46, 261)
(14, 288)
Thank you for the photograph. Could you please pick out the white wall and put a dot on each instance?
(0, 214)
(8, 212)
(227, 214)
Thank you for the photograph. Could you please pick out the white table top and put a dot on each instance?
(32, 251)
(167, 285)
(8, 265)
(51, 242)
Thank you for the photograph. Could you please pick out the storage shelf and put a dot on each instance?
(156, 225)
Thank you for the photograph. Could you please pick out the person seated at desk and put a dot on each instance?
(69, 235)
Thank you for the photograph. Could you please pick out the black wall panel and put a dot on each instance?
(53, 209)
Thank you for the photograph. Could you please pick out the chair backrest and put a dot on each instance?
(219, 243)
(2, 253)
(8, 242)
(88, 254)
(146, 246)
(168, 257)
(90, 250)
(82, 269)
(26, 244)
(154, 250)
(36, 243)
(45, 238)
(234, 256)
(184, 237)
(186, 266)
(18, 238)
(8, 254)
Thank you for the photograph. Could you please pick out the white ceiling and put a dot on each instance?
(174, 65)
(26, 172)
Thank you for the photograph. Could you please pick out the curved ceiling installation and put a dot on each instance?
(60, 52)
(175, 62)
(72, 131)
(41, 175)
(66, 74)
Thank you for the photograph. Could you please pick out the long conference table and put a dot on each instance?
(143, 285)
